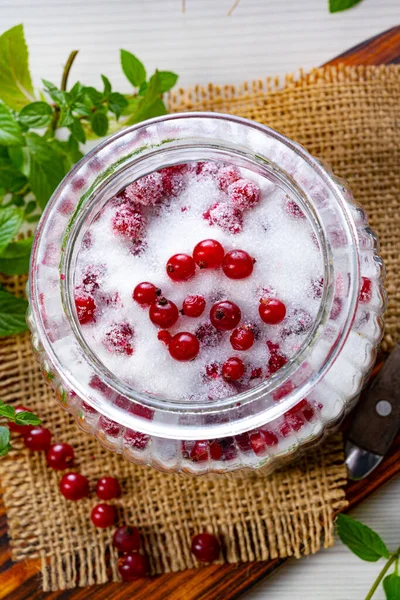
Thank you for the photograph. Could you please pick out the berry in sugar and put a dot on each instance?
(225, 216)
(163, 313)
(233, 369)
(173, 179)
(147, 190)
(85, 308)
(303, 408)
(225, 315)
(226, 176)
(271, 310)
(256, 373)
(108, 488)
(366, 290)
(118, 338)
(238, 264)
(38, 439)
(193, 306)
(200, 451)
(262, 439)
(92, 278)
(184, 346)
(276, 359)
(74, 486)
(136, 439)
(60, 457)
(299, 321)
(128, 222)
(207, 169)
(126, 539)
(164, 336)
(212, 370)
(181, 267)
(228, 447)
(146, 293)
(103, 515)
(23, 429)
(133, 566)
(208, 254)
(294, 210)
(205, 547)
(244, 194)
(242, 338)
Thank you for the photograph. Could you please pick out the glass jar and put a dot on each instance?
(299, 403)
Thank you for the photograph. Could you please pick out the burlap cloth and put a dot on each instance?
(348, 116)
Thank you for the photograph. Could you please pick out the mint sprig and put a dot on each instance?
(340, 5)
(34, 157)
(8, 414)
(369, 546)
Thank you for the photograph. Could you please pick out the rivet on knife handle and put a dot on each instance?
(376, 420)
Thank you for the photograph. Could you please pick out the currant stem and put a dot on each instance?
(394, 558)
(67, 68)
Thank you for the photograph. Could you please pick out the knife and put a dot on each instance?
(376, 420)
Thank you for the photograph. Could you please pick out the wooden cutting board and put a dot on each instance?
(21, 581)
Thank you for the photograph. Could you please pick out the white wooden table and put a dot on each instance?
(262, 37)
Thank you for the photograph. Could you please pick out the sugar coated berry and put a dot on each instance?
(233, 369)
(128, 222)
(225, 216)
(103, 515)
(23, 429)
(60, 457)
(133, 566)
(147, 190)
(244, 194)
(208, 335)
(366, 290)
(126, 539)
(38, 439)
(205, 547)
(85, 308)
(119, 338)
(226, 176)
(164, 336)
(294, 210)
(207, 169)
(193, 306)
(74, 486)
(242, 338)
(225, 315)
(208, 254)
(238, 264)
(108, 488)
(163, 313)
(272, 310)
(146, 293)
(184, 346)
(181, 267)
(136, 439)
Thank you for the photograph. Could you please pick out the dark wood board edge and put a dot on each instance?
(21, 581)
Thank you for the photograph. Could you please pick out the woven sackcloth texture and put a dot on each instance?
(349, 117)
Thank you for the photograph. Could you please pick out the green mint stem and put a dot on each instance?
(381, 575)
(67, 69)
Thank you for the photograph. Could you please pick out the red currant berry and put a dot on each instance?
(225, 216)
(38, 439)
(119, 338)
(233, 369)
(226, 176)
(242, 338)
(225, 315)
(244, 194)
(103, 515)
(60, 457)
(163, 313)
(184, 346)
(181, 267)
(366, 290)
(126, 539)
(23, 429)
(108, 488)
(133, 566)
(208, 254)
(164, 336)
(85, 308)
(145, 293)
(205, 547)
(207, 169)
(128, 222)
(238, 264)
(136, 439)
(272, 310)
(200, 451)
(193, 306)
(74, 486)
(92, 278)
(215, 450)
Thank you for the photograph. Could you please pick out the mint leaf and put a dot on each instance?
(55, 94)
(11, 219)
(45, 169)
(36, 114)
(26, 418)
(107, 86)
(4, 438)
(14, 260)
(117, 103)
(99, 123)
(132, 67)
(167, 80)
(76, 92)
(151, 96)
(7, 411)
(361, 540)
(77, 131)
(11, 179)
(94, 96)
(339, 5)
(12, 314)
(16, 88)
(10, 131)
(391, 585)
